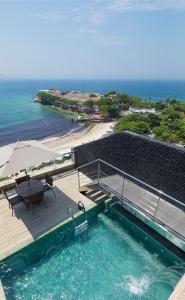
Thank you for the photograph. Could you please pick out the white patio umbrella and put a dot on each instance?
(23, 155)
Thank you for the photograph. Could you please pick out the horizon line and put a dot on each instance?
(96, 79)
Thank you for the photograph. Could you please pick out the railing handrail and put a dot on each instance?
(161, 193)
(87, 164)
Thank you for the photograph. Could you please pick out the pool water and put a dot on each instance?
(113, 259)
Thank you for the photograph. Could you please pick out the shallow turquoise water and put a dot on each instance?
(112, 260)
(21, 119)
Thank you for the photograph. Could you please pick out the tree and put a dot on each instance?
(111, 93)
(162, 133)
(135, 126)
(153, 120)
(170, 114)
(113, 111)
(160, 105)
(89, 104)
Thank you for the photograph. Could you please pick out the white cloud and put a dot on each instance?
(96, 11)
(97, 18)
(48, 16)
(92, 36)
(145, 5)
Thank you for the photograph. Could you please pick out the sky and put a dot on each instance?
(92, 39)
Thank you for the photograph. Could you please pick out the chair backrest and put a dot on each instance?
(36, 198)
(22, 179)
(5, 194)
(49, 180)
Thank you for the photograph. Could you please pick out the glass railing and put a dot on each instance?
(166, 210)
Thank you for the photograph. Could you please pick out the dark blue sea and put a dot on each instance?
(21, 119)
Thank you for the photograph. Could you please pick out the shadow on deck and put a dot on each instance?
(24, 227)
(45, 218)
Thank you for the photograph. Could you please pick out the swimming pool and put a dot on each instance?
(113, 259)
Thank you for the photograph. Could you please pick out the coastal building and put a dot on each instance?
(143, 111)
(74, 95)
(54, 92)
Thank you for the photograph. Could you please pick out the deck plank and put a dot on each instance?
(25, 227)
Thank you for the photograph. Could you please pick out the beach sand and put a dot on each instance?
(90, 133)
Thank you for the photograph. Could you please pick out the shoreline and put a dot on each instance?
(50, 138)
(91, 132)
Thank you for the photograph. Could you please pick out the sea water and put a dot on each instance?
(21, 119)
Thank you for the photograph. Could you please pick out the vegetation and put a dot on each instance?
(89, 104)
(166, 124)
(69, 102)
(136, 123)
(169, 126)
(45, 96)
(108, 108)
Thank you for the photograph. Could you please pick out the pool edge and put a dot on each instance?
(179, 291)
(2, 293)
(4, 256)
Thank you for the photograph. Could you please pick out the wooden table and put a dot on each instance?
(27, 189)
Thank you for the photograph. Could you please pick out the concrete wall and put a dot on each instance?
(159, 164)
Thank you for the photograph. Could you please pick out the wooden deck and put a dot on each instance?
(23, 228)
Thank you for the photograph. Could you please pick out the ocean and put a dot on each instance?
(21, 119)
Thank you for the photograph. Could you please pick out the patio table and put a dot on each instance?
(27, 189)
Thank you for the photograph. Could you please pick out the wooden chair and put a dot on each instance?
(48, 186)
(34, 199)
(12, 200)
(22, 179)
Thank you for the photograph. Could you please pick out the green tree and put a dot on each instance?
(153, 120)
(111, 93)
(134, 126)
(89, 104)
(169, 112)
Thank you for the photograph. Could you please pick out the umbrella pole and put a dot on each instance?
(27, 177)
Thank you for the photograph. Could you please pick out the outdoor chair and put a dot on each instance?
(22, 179)
(12, 200)
(48, 186)
(34, 199)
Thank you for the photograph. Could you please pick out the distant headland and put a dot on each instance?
(163, 120)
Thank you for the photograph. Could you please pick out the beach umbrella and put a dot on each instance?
(23, 155)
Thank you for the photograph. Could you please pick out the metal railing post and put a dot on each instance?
(98, 172)
(78, 179)
(122, 191)
(159, 198)
(73, 155)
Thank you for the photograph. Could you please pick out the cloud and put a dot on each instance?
(48, 16)
(145, 5)
(96, 11)
(94, 37)
(97, 18)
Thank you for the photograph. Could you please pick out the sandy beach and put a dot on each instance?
(90, 133)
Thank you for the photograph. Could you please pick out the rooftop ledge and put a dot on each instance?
(40, 173)
(179, 291)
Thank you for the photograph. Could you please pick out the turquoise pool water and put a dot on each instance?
(113, 259)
